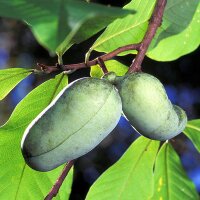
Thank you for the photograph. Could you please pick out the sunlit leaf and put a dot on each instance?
(60, 23)
(178, 34)
(192, 131)
(171, 181)
(9, 78)
(112, 66)
(17, 180)
(131, 177)
(177, 37)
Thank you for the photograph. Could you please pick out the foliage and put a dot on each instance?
(112, 66)
(15, 174)
(170, 180)
(192, 131)
(147, 170)
(174, 31)
(9, 78)
(59, 24)
(119, 181)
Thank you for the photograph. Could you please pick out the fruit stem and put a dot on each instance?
(54, 190)
(154, 22)
(102, 65)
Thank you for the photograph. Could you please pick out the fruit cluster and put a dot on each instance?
(87, 110)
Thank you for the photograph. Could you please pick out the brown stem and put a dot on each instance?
(154, 23)
(102, 65)
(54, 190)
(108, 56)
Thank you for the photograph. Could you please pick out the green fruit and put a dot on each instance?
(77, 120)
(147, 107)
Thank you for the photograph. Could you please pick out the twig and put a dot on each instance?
(154, 23)
(102, 65)
(54, 190)
(108, 56)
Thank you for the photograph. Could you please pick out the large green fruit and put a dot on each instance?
(147, 107)
(77, 120)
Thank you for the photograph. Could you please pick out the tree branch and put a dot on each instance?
(54, 190)
(108, 56)
(142, 47)
(154, 23)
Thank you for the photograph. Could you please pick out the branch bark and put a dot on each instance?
(55, 189)
(154, 23)
(108, 56)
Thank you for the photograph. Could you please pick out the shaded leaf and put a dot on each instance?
(17, 180)
(112, 66)
(178, 34)
(192, 131)
(171, 181)
(9, 78)
(131, 177)
(60, 23)
(177, 37)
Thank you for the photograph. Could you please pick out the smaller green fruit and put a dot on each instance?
(147, 107)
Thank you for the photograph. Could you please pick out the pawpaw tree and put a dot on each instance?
(61, 120)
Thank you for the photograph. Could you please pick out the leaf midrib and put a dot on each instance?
(121, 32)
(166, 171)
(26, 72)
(132, 169)
(20, 181)
(192, 127)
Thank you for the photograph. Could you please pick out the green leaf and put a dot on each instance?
(112, 66)
(59, 24)
(131, 177)
(9, 78)
(128, 30)
(17, 180)
(192, 131)
(174, 38)
(171, 181)
(177, 37)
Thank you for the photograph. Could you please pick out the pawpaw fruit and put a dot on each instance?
(147, 106)
(75, 122)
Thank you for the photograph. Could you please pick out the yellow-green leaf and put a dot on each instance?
(18, 181)
(9, 78)
(112, 66)
(171, 181)
(129, 178)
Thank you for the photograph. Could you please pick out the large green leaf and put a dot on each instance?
(57, 24)
(192, 131)
(9, 78)
(131, 177)
(128, 30)
(171, 181)
(112, 66)
(17, 180)
(178, 35)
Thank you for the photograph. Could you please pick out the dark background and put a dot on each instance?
(18, 48)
